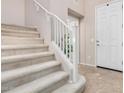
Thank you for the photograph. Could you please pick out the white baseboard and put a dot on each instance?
(88, 65)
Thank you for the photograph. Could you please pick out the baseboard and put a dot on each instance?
(88, 65)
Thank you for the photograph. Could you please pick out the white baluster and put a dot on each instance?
(55, 30)
(70, 44)
(60, 35)
(52, 29)
(64, 39)
(73, 40)
(66, 42)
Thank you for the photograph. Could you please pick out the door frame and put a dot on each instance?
(98, 6)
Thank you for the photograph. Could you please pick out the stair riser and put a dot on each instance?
(21, 35)
(77, 87)
(56, 85)
(17, 27)
(81, 90)
(10, 52)
(4, 30)
(18, 64)
(21, 41)
(28, 78)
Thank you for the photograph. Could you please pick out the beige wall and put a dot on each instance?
(38, 18)
(60, 8)
(13, 12)
(90, 29)
(87, 30)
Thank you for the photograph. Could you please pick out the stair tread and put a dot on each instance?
(19, 72)
(10, 37)
(18, 31)
(6, 40)
(25, 27)
(3, 47)
(40, 84)
(72, 87)
(8, 59)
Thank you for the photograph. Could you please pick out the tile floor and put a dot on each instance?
(101, 80)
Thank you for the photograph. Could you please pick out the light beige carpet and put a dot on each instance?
(102, 80)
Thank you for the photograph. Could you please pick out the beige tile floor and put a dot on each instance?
(101, 80)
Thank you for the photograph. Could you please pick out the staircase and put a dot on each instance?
(28, 66)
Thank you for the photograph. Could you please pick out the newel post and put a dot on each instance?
(75, 59)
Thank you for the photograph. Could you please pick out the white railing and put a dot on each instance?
(64, 38)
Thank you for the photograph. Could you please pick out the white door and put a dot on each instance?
(109, 36)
